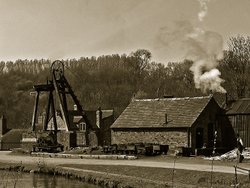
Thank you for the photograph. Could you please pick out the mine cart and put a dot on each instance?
(110, 149)
(130, 149)
(164, 149)
(152, 149)
(140, 149)
(121, 148)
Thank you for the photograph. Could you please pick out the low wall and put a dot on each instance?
(77, 156)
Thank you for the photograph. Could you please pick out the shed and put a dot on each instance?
(177, 122)
(12, 139)
(238, 112)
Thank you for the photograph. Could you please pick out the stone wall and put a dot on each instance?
(28, 140)
(67, 139)
(9, 145)
(173, 138)
(93, 138)
(80, 138)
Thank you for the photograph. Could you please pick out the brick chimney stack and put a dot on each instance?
(75, 107)
(99, 117)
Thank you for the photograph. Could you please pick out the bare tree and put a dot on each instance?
(235, 66)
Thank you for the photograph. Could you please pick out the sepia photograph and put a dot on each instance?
(124, 93)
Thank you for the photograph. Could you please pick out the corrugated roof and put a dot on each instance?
(241, 106)
(150, 113)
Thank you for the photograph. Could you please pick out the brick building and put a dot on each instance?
(178, 122)
(100, 120)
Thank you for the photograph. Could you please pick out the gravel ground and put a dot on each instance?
(188, 171)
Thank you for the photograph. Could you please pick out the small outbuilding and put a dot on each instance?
(12, 139)
(238, 112)
(188, 122)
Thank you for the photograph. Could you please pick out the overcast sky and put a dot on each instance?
(58, 29)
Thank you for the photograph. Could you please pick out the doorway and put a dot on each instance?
(210, 135)
(199, 137)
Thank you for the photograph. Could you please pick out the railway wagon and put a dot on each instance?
(137, 149)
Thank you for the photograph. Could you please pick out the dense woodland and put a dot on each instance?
(111, 81)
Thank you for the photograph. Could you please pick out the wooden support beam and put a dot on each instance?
(46, 121)
(43, 87)
(33, 123)
(76, 101)
(62, 107)
(53, 112)
(64, 98)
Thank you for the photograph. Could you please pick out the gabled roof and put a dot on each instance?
(241, 106)
(78, 119)
(151, 113)
(59, 122)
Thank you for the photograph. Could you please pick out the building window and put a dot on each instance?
(82, 126)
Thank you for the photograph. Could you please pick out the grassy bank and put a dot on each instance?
(177, 177)
(94, 177)
(129, 176)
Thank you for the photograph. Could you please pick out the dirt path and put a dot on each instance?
(5, 157)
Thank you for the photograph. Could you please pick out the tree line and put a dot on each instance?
(112, 81)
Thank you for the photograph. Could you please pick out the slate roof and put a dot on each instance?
(150, 113)
(13, 136)
(241, 106)
(91, 115)
(107, 113)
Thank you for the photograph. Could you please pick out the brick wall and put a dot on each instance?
(178, 138)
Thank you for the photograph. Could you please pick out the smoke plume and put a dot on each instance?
(203, 11)
(205, 48)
